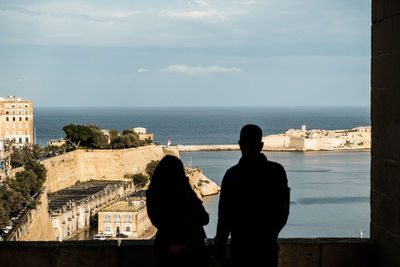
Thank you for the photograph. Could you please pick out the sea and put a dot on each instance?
(330, 191)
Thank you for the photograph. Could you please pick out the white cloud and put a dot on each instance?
(140, 70)
(196, 70)
(209, 15)
(201, 3)
(76, 10)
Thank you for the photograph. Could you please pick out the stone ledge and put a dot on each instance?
(297, 252)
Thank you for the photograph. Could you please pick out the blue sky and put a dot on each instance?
(186, 53)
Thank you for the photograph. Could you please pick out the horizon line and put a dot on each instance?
(212, 106)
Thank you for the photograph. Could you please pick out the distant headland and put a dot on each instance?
(358, 138)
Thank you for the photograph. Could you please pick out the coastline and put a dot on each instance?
(210, 148)
(302, 140)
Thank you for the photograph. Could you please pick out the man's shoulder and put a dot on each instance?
(274, 165)
(232, 171)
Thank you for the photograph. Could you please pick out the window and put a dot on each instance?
(128, 218)
(26, 132)
(7, 119)
(26, 112)
(20, 118)
(26, 139)
(20, 140)
(13, 118)
(7, 112)
(107, 228)
(127, 228)
(117, 218)
(108, 218)
(26, 118)
(26, 105)
(26, 126)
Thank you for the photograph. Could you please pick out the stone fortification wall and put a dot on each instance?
(314, 140)
(35, 224)
(276, 142)
(192, 148)
(79, 165)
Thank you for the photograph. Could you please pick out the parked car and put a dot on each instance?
(122, 235)
(100, 236)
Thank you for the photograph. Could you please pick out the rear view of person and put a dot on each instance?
(178, 215)
(253, 206)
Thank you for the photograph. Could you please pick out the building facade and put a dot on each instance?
(143, 135)
(125, 217)
(16, 120)
(74, 214)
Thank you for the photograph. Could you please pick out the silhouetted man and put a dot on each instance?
(253, 205)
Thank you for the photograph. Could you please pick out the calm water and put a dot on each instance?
(330, 190)
(187, 126)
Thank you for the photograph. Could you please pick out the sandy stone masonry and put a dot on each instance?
(80, 165)
(317, 139)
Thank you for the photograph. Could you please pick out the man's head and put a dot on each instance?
(250, 139)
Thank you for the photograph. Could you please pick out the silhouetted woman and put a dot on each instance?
(178, 214)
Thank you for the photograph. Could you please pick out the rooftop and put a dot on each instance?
(78, 192)
(131, 206)
(13, 98)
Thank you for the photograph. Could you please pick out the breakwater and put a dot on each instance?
(193, 148)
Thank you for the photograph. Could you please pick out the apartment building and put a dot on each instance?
(16, 120)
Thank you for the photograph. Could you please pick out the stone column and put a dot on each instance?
(385, 116)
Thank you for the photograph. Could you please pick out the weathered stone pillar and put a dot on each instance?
(385, 116)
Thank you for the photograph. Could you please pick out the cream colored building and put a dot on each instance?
(143, 135)
(124, 217)
(16, 120)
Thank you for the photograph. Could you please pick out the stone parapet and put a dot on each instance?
(117, 253)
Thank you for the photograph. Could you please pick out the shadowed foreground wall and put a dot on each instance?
(385, 116)
(294, 253)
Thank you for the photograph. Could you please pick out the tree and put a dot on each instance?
(19, 155)
(128, 131)
(113, 134)
(140, 179)
(26, 183)
(4, 213)
(16, 157)
(38, 169)
(151, 167)
(99, 140)
(77, 134)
